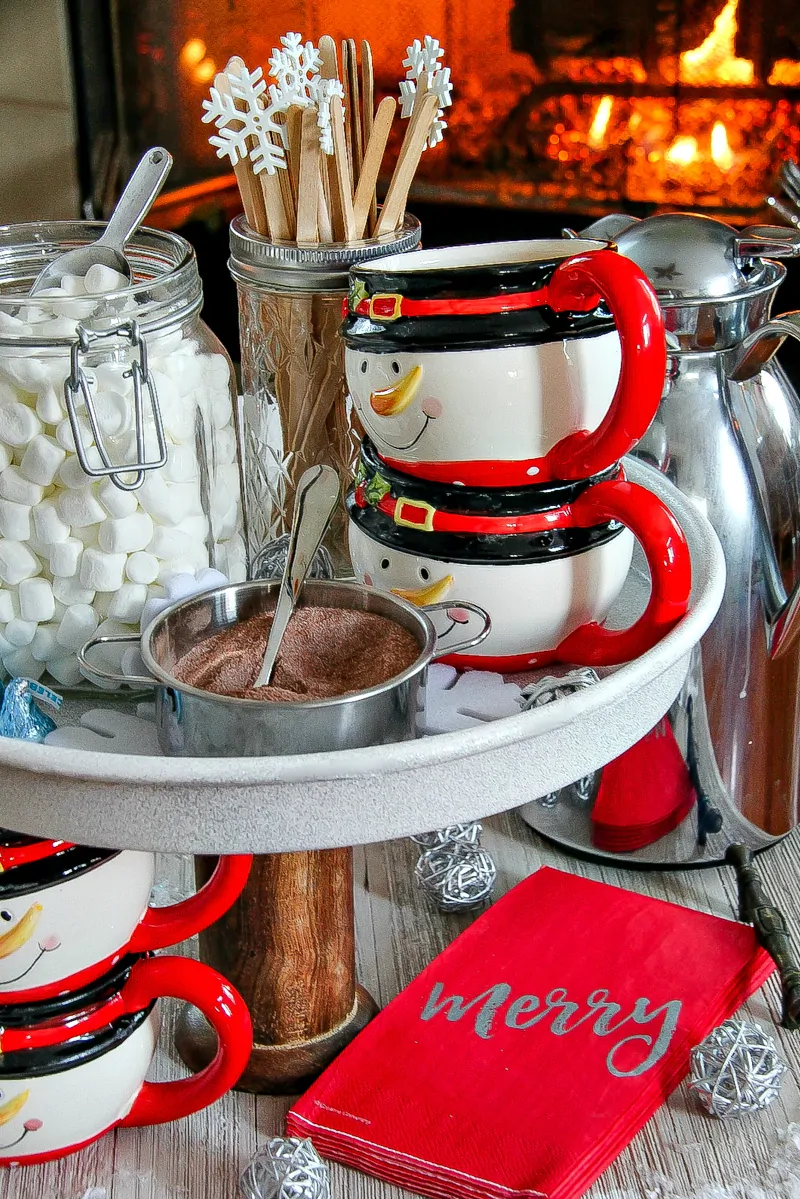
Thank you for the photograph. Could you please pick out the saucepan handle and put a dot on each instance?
(111, 676)
(455, 610)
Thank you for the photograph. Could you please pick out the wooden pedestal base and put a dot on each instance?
(288, 945)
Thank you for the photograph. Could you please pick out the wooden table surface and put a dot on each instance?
(399, 932)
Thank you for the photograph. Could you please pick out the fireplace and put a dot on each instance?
(574, 106)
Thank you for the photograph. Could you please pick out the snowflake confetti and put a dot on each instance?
(423, 59)
(294, 69)
(252, 121)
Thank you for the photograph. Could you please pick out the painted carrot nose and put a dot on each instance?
(9, 1110)
(394, 400)
(21, 933)
(432, 594)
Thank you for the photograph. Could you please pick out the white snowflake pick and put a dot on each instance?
(323, 92)
(253, 120)
(294, 69)
(423, 61)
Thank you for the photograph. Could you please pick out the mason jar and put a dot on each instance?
(296, 411)
(119, 462)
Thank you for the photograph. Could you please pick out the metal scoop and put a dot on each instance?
(315, 500)
(132, 207)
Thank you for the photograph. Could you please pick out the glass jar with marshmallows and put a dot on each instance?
(119, 452)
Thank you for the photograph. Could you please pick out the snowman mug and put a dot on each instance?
(73, 1068)
(66, 918)
(546, 563)
(507, 364)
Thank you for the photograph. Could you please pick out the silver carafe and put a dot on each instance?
(727, 433)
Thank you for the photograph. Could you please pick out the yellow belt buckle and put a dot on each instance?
(397, 304)
(416, 506)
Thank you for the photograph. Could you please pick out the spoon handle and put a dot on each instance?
(141, 190)
(315, 499)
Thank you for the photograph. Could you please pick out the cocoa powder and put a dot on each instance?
(325, 652)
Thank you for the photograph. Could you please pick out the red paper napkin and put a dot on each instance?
(530, 1052)
(644, 794)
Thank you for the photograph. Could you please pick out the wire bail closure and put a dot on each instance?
(77, 385)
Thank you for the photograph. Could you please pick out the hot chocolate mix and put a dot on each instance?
(325, 652)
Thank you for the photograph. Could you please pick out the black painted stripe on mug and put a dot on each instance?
(36, 1063)
(502, 549)
(534, 326)
(458, 281)
(49, 872)
(58, 1007)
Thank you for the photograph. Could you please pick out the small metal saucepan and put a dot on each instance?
(195, 723)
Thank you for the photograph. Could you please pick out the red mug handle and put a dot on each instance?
(225, 1010)
(576, 283)
(667, 553)
(160, 927)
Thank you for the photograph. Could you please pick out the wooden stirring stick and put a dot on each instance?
(367, 180)
(308, 180)
(419, 127)
(329, 69)
(252, 199)
(276, 224)
(368, 114)
(347, 102)
(355, 109)
(342, 165)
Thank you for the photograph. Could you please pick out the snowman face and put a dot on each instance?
(389, 393)
(22, 940)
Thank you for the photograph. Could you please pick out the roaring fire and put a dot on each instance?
(596, 137)
(721, 151)
(714, 60)
(682, 151)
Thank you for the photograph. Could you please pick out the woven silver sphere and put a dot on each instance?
(271, 561)
(457, 877)
(736, 1070)
(454, 834)
(553, 687)
(286, 1168)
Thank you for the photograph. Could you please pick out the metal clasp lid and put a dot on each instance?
(77, 385)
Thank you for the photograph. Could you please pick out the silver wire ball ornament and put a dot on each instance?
(457, 877)
(453, 834)
(737, 1070)
(286, 1168)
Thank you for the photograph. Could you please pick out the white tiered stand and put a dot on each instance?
(365, 797)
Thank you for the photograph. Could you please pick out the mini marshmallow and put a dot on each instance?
(100, 279)
(125, 535)
(127, 603)
(178, 585)
(226, 524)
(18, 424)
(5, 457)
(50, 528)
(49, 407)
(11, 324)
(185, 369)
(26, 373)
(73, 285)
(142, 568)
(151, 610)
(36, 600)
(44, 644)
(17, 562)
(15, 520)
(13, 486)
(155, 496)
(72, 474)
(114, 412)
(20, 632)
(181, 464)
(102, 571)
(177, 413)
(65, 438)
(221, 410)
(65, 671)
(65, 557)
(9, 606)
(77, 507)
(209, 577)
(86, 534)
(41, 460)
(71, 592)
(114, 376)
(167, 544)
(58, 326)
(22, 664)
(102, 602)
(225, 445)
(77, 626)
(116, 502)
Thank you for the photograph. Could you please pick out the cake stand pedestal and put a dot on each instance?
(288, 944)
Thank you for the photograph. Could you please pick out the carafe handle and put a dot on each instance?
(753, 354)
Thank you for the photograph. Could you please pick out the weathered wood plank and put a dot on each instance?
(398, 934)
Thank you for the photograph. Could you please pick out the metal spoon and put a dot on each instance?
(132, 207)
(316, 497)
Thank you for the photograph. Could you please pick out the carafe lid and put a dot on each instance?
(691, 257)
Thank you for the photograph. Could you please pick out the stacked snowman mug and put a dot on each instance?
(499, 386)
(79, 991)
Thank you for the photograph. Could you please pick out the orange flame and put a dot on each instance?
(721, 151)
(596, 137)
(714, 60)
(682, 151)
